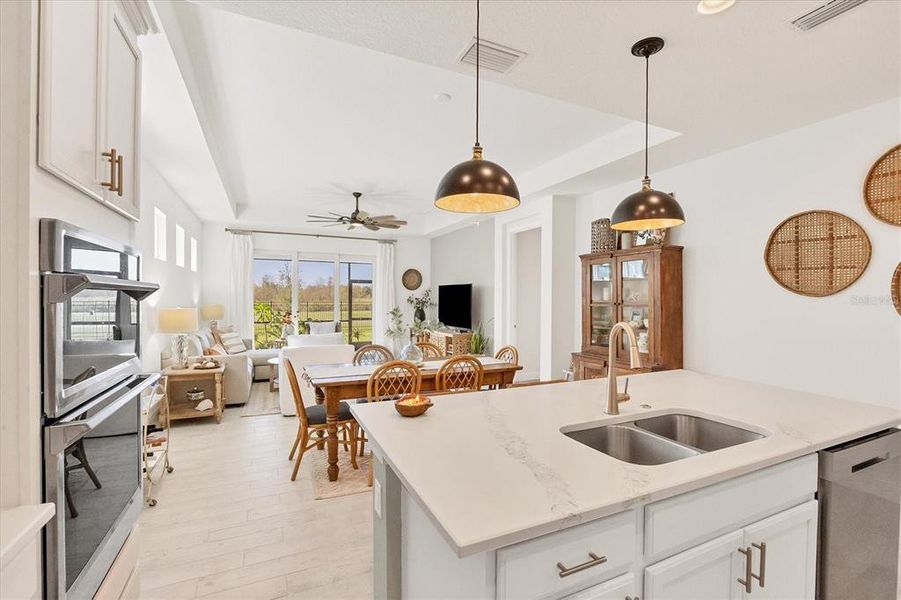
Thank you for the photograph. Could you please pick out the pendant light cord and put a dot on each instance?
(478, 19)
(647, 66)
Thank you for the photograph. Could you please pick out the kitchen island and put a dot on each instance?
(485, 497)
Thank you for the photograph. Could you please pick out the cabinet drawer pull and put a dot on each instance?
(120, 174)
(761, 577)
(593, 561)
(113, 157)
(748, 575)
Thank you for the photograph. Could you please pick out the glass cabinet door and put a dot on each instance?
(635, 281)
(601, 300)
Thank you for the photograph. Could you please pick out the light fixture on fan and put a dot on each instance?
(648, 208)
(477, 185)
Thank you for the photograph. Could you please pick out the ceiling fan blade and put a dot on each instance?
(338, 215)
(384, 218)
(320, 217)
(393, 222)
(388, 226)
(312, 221)
(371, 226)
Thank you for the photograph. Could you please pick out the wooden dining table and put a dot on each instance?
(336, 382)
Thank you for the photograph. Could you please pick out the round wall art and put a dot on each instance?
(411, 279)
(882, 188)
(817, 253)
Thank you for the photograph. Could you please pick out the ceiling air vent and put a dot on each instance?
(826, 12)
(492, 56)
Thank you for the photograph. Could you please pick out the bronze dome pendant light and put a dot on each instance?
(649, 208)
(477, 185)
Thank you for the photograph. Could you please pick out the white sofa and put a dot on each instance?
(315, 339)
(300, 356)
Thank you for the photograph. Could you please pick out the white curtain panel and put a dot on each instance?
(240, 305)
(383, 300)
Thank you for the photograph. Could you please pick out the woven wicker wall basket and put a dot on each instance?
(882, 188)
(896, 288)
(817, 253)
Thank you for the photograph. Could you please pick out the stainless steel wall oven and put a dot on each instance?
(92, 387)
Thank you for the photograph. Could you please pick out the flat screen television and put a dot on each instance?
(455, 305)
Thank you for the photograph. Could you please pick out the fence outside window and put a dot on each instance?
(268, 316)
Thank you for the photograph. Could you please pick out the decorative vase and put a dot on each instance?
(603, 237)
(419, 314)
(411, 352)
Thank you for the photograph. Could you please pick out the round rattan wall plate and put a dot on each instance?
(896, 288)
(882, 188)
(817, 253)
(411, 279)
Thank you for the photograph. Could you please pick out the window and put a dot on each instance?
(194, 255)
(179, 246)
(312, 290)
(159, 234)
(271, 299)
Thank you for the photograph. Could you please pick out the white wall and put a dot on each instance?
(179, 286)
(527, 302)
(412, 252)
(466, 256)
(738, 322)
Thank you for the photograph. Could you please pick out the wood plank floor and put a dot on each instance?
(231, 524)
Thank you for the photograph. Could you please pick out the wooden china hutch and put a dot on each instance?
(642, 286)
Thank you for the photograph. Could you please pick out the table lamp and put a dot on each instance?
(212, 313)
(179, 321)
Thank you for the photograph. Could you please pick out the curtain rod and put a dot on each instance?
(314, 235)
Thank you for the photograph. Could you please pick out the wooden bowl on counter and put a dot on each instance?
(412, 405)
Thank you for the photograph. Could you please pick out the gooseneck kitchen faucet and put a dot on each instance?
(634, 361)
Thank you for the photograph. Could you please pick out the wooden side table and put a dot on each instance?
(178, 405)
(273, 373)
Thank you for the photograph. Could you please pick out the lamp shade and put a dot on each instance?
(477, 186)
(178, 320)
(212, 312)
(647, 209)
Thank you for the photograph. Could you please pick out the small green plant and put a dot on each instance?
(396, 327)
(479, 342)
(355, 334)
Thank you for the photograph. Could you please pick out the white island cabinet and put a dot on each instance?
(487, 497)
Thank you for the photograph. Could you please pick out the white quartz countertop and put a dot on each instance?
(492, 468)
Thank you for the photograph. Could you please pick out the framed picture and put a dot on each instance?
(649, 237)
(636, 316)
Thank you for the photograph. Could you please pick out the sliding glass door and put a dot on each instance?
(310, 289)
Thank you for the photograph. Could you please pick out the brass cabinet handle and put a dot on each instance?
(120, 174)
(748, 575)
(761, 577)
(113, 157)
(593, 561)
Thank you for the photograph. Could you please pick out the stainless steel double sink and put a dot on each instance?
(662, 439)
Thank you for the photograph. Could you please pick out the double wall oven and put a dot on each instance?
(92, 389)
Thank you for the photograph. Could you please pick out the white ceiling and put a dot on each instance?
(308, 101)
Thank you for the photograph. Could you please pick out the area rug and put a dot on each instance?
(261, 401)
(350, 480)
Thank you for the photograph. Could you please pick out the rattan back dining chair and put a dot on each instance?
(462, 373)
(508, 354)
(373, 354)
(429, 350)
(312, 418)
(388, 382)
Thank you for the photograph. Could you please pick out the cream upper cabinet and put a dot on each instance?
(122, 100)
(69, 103)
(90, 94)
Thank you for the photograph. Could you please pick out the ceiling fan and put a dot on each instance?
(358, 218)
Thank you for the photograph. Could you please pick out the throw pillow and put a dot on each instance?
(217, 350)
(323, 327)
(217, 334)
(232, 342)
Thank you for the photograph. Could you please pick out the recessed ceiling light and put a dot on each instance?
(711, 7)
(443, 97)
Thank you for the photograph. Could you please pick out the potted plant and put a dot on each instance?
(396, 331)
(479, 341)
(419, 304)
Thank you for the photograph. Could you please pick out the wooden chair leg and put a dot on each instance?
(302, 448)
(353, 445)
(362, 435)
(296, 442)
(371, 460)
(345, 435)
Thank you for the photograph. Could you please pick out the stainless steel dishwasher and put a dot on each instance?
(860, 508)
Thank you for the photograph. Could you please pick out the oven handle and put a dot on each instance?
(59, 287)
(63, 435)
